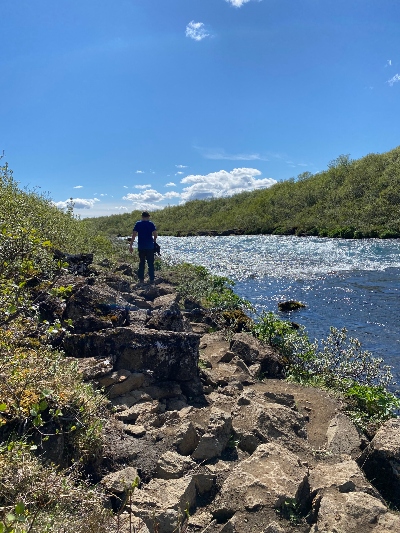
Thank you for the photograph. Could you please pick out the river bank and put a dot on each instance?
(211, 446)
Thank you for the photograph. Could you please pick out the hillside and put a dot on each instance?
(352, 198)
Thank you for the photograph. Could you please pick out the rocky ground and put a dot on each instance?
(216, 448)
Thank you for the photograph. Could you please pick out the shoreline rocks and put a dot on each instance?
(217, 449)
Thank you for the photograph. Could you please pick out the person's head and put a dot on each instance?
(145, 215)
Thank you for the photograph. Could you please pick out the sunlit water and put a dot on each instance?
(344, 283)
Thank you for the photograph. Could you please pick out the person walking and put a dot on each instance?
(146, 232)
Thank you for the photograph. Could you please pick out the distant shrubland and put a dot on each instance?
(351, 199)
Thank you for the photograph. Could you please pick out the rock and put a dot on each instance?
(252, 351)
(121, 403)
(217, 436)
(381, 461)
(352, 512)
(169, 318)
(343, 437)
(132, 382)
(259, 422)
(121, 481)
(186, 439)
(94, 368)
(162, 503)
(268, 478)
(92, 308)
(136, 431)
(290, 305)
(171, 465)
(134, 412)
(169, 355)
(344, 477)
(166, 300)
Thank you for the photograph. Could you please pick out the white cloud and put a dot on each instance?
(79, 203)
(388, 63)
(146, 186)
(102, 194)
(220, 154)
(78, 187)
(179, 173)
(394, 80)
(181, 166)
(237, 3)
(223, 183)
(125, 187)
(172, 194)
(171, 184)
(140, 172)
(150, 195)
(196, 31)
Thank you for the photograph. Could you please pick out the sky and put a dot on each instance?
(140, 104)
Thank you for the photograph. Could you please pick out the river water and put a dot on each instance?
(343, 283)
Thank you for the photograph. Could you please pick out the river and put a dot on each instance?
(343, 283)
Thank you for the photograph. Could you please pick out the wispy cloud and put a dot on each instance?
(237, 3)
(394, 80)
(170, 184)
(179, 173)
(140, 172)
(388, 63)
(181, 166)
(79, 203)
(78, 187)
(220, 154)
(146, 186)
(196, 31)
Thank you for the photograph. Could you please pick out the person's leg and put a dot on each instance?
(150, 263)
(142, 259)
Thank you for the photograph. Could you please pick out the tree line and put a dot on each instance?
(350, 199)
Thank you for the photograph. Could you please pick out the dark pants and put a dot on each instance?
(146, 255)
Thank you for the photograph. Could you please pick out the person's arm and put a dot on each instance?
(155, 235)
(134, 235)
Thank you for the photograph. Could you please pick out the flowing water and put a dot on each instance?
(343, 283)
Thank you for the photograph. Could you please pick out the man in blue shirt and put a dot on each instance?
(146, 233)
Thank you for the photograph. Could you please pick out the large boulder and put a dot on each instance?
(168, 355)
(92, 308)
(257, 421)
(352, 512)
(271, 476)
(381, 461)
(252, 351)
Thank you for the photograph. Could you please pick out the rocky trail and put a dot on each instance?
(217, 449)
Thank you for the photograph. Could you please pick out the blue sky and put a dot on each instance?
(133, 104)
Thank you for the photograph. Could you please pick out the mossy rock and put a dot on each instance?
(290, 305)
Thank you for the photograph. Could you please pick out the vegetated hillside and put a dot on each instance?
(352, 198)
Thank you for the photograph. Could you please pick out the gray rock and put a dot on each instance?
(252, 351)
(217, 435)
(132, 382)
(381, 461)
(352, 512)
(266, 479)
(186, 439)
(169, 355)
(343, 437)
(171, 465)
(121, 481)
(163, 502)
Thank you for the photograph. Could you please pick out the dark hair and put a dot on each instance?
(146, 214)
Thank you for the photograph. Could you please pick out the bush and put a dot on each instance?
(38, 499)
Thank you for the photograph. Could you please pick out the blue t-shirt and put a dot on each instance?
(145, 230)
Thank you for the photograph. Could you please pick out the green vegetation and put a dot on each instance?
(336, 363)
(43, 401)
(351, 199)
